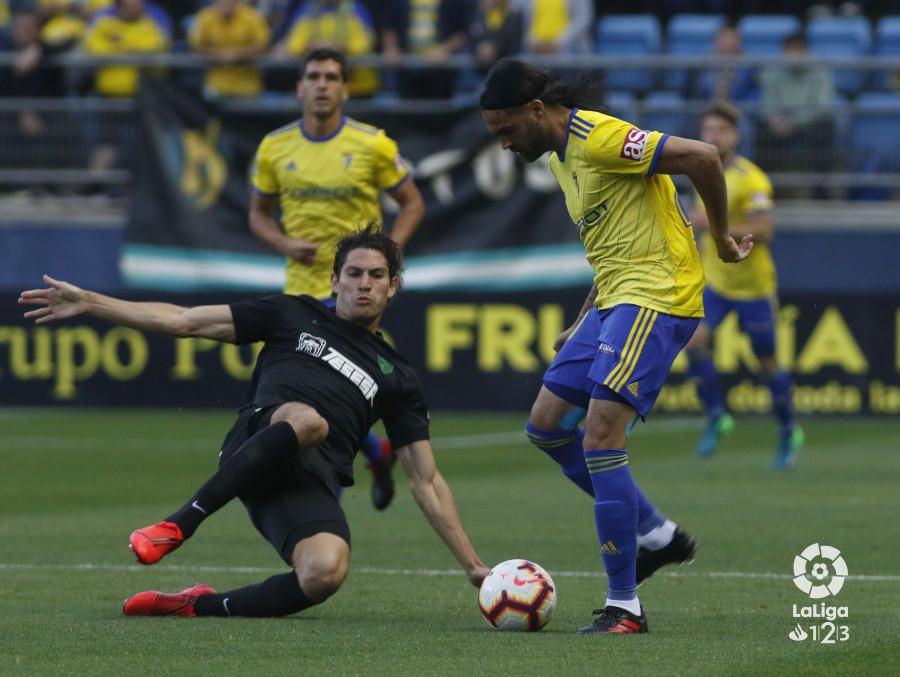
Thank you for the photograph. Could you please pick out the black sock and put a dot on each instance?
(256, 459)
(276, 596)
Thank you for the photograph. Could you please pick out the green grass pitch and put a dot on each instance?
(73, 484)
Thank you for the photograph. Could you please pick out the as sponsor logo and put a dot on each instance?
(635, 143)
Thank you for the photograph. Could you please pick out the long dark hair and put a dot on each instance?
(511, 83)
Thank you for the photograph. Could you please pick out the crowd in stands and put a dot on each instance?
(793, 99)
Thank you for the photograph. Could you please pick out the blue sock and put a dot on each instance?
(371, 448)
(616, 516)
(782, 406)
(708, 388)
(648, 516)
(567, 449)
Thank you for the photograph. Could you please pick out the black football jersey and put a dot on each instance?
(350, 375)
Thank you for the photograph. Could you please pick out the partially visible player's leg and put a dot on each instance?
(758, 321)
(701, 368)
(301, 516)
(248, 457)
(380, 462)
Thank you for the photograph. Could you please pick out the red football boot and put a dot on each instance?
(152, 543)
(153, 603)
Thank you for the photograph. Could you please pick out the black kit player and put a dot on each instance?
(323, 378)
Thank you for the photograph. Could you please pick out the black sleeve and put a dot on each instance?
(256, 320)
(406, 414)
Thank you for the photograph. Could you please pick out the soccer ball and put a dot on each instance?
(517, 595)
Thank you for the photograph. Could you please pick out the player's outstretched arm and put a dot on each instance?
(62, 300)
(701, 164)
(412, 210)
(436, 501)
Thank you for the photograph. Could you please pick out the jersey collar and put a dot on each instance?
(562, 156)
(321, 139)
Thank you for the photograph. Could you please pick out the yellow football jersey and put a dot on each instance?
(749, 192)
(245, 28)
(327, 188)
(638, 239)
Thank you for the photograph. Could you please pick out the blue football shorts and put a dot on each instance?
(756, 318)
(623, 353)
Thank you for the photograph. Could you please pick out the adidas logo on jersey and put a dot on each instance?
(291, 166)
(633, 388)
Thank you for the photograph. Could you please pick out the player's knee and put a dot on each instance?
(602, 433)
(309, 426)
(768, 366)
(321, 577)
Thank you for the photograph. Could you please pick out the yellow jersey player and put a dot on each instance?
(748, 289)
(325, 172)
(644, 305)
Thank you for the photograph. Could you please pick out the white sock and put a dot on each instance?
(658, 538)
(631, 605)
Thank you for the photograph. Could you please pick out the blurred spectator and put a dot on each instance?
(796, 126)
(344, 25)
(558, 26)
(432, 29)
(230, 32)
(98, 8)
(729, 81)
(128, 30)
(23, 78)
(62, 22)
(496, 32)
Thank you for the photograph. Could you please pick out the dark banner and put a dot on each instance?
(473, 352)
(192, 166)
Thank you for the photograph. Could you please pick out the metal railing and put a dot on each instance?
(71, 126)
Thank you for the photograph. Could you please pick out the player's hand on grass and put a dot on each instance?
(478, 574)
(302, 251)
(731, 251)
(59, 301)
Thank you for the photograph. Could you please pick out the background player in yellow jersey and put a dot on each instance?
(748, 289)
(326, 171)
(644, 305)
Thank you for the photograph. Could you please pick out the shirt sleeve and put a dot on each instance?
(619, 147)
(758, 194)
(406, 414)
(255, 320)
(390, 167)
(264, 178)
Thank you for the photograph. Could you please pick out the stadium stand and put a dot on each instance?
(689, 35)
(629, 35)
(763, 34)
(837, 36)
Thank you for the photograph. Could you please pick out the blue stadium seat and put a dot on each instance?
(629, 35)
(665, 112)
(622, 105)
(887, 43)
(763, 34)
(875, 132)
(841, 36)
(689, 35)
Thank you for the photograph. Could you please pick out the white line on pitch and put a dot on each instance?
(379, 571)
(506, 438)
